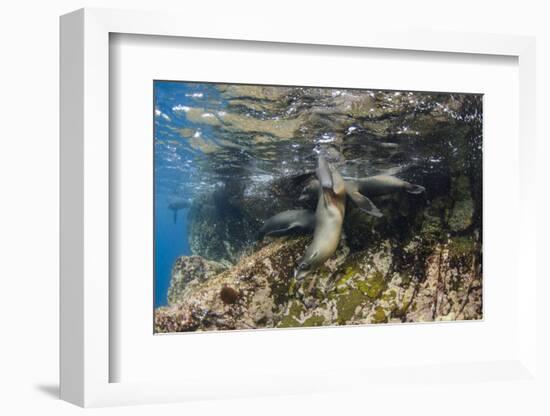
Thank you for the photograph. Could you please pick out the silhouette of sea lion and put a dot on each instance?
(177, 205)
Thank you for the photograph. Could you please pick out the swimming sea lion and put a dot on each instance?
(387, 145)
(294, 221)
(329, 217)
(359, 190)
(177, 205)
(352, 191)
(386, 184)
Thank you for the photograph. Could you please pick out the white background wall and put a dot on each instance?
(29, 56)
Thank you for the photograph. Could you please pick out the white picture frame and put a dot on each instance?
(85, 212)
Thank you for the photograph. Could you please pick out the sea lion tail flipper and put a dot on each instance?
(415, 189)
(365, 204)
(175, 215)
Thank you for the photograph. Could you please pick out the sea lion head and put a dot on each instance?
(303, 269)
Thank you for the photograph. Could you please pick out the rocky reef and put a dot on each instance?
(224, 224)
(409, 266)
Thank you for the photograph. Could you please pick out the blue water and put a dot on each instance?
(174, 167)
(171, 242)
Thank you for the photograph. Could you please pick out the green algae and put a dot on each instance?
(291, 318)
(349, 273)
(461, 246)
(280, 292)
(379, 316)
(315, 320)
(462, 215)
(389, 296)
(373, 286)
(347, 303)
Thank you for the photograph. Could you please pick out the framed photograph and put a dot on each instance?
(286, 213)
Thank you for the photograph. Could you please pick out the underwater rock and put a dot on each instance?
(462, 215)
(463, 208)
(451, 289)
(416, 281)
(262, 280)
(187, 269)
(219, 229)
(229, 295)
(176, 318)
(414, 264)
(226, 223)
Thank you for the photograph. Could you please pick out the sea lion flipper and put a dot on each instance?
(324, 174)
(175, 215)
(287, 222)
(365, 204)
(415, 189)
(283, 231)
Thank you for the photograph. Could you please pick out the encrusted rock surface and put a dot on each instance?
(218, 227)
(384, 283)
(225, 224)
(189, 269)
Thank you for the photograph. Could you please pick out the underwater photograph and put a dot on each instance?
(300, 206)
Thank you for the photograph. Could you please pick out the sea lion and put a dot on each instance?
(177, 205)
(294, 221)
(387, 145)
(352, 191)
(386, 184)
(329, 217)
(359, 190)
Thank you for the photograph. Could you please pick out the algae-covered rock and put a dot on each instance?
(262, 281)
(218, 227)
(187, 269)
(372, 286)
(225, 223)
(463, 209)
(462, 215)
